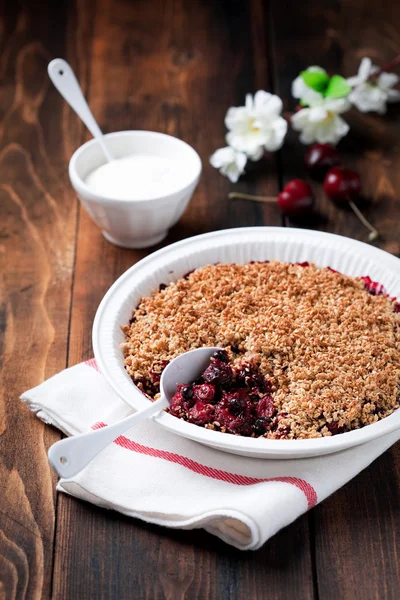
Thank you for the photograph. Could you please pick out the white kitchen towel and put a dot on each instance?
(150, 474)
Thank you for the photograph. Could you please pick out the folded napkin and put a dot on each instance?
(153, 475)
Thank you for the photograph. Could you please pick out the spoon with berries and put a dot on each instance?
(71, 455)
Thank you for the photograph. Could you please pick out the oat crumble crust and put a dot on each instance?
(330, 348)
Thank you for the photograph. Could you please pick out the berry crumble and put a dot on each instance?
(234, 400)
(308, 352)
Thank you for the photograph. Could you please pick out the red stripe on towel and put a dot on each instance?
(92, 363)
(206, 471)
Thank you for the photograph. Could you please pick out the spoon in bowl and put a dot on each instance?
(63, 77)
(71, 455)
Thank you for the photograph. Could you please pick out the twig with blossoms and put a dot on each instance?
(324, 98)
(259, 126)
(372, 88)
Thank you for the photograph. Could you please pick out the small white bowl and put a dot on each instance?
(238, 246)
(136, 223)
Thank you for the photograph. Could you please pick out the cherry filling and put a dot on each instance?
(231, 399)
(377, 289)
(373, 287)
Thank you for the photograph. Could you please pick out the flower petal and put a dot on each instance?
(337, 105)
(276, 135)
(261, 98)
(387, 80)
(238, 120)
(369, 98)
(222, 157)
(230, 163)
(364, 69)
(332, 130)
(249, 104)
(247, 142)
(317, 113)
(298, 87)
(300, 119)
(256, 154)
(271, 106)
(308, 135)
(353, 81)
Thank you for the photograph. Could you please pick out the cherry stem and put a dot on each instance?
(239, 196)
(392, 64)
(374, 233)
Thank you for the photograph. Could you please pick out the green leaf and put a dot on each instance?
(316, 80)
(337, 87)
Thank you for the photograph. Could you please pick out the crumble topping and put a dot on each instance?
(328, 343)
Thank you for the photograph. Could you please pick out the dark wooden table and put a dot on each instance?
(173, 66)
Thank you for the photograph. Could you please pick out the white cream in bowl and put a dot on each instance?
(137, 176)
(135, 198)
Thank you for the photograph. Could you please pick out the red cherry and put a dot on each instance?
(342, 184)
(319, 158)
(296, 199)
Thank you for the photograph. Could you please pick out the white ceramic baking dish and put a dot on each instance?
(239, 246)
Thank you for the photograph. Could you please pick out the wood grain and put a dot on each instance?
(123, 558)
(357, 531)
(37, 233)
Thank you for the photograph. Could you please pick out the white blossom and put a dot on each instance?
(230, 162)
(301, 91)
(372, 92)
(257, 125)
(321, 121)
(365, 70)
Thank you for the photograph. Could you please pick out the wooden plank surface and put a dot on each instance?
(170, 66)
(37, 237)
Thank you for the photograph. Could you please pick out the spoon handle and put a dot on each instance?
(64, 79)
(69, 456)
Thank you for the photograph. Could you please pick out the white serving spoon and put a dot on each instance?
(64, 79)
(71, 455)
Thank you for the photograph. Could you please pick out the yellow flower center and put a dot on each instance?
(253, 129)
(329, 116)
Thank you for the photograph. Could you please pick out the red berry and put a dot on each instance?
(218, 373)
(201, 413)
(241, 423)
(265, 407)
(261, 425)
(204, 392)
(334, 428)
(319, 158)
(238, 402)
(342, 184)
(296, 199)
(176, 405)
(221, 355)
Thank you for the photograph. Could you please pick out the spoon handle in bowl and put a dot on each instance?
(69, 456)
(63, 78)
